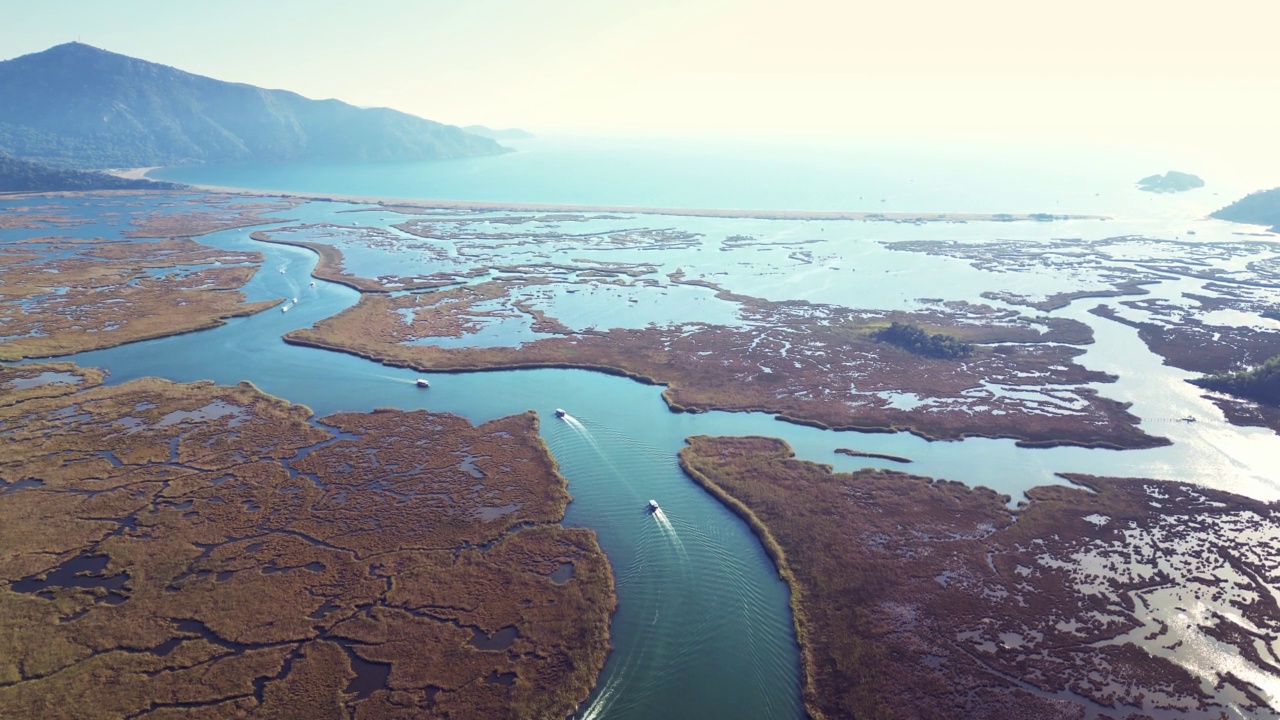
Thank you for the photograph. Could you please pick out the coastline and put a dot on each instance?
(413, 205)
(139, 173)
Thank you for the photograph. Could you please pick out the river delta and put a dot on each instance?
(333, 535)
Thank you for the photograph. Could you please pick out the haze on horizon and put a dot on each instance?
(1135, 71)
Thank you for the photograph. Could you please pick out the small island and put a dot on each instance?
(1171, 182)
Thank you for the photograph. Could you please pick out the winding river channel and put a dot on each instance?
(703, 627)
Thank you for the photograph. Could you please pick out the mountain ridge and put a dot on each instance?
(78, 106)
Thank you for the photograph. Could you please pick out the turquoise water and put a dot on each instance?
(703, 627)
(881, 175)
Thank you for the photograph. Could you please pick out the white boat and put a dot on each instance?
(560, 413)
(313, 283)
(295, 299)
(422, 383)
(284, 309)
(653, 506)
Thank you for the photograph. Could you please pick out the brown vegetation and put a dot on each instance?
(920, 598)
(205, 551)
(25, 382)
(808, 363)
(1188, 343)
(412, 206)
(331, 264)
(204, 214)
(102, 294)
(874, 455)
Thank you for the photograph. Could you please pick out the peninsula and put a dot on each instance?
(284, 568)
(915, 597)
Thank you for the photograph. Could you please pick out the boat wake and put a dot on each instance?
(585, 434)
(669, 530)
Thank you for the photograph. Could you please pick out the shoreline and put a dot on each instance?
(418, 204)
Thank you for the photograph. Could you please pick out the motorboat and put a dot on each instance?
(653, 506)
(284, 309)
(423, 383)
(560, 413)
(313, 283)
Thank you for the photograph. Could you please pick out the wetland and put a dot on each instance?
(332, 537)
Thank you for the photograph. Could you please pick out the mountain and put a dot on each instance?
(74, 105)
(27, 176)
(1259, 208)
(507, 134)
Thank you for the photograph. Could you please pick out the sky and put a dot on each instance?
(1123, 70)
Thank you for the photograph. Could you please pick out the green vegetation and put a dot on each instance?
(26, 176)
(77, 106)
(1259, 208)
(1261, 383)
(1171, 182)
(916, 340)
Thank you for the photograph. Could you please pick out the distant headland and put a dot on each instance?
(23, 176)
(1259, 208)
(500, 134)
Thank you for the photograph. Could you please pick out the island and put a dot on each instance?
(915, 597)
(208, 552)
(1171, 182)
(808, 363)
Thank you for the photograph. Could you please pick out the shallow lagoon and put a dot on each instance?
(703, 628)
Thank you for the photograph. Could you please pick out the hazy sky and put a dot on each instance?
(1125, 69)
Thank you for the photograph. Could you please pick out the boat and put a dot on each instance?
(295, 299)
(560, 413)
(653, 506)
(284, 309)
(313, 283)
(1189, 418)
(422, 383)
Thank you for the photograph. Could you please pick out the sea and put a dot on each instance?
(703, 627)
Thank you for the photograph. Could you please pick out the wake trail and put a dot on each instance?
(585, 434)
(669, 530)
